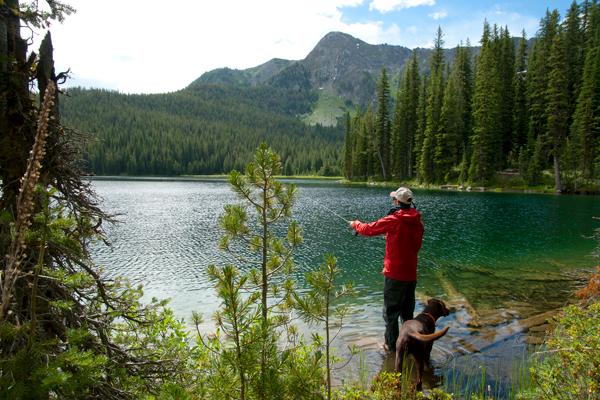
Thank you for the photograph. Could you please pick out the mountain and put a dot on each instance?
(248, 77)
(342, 69)
(350, 67)
(215, 123)
(339, 64)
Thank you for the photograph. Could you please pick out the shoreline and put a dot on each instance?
(476, 189)
(345, 182)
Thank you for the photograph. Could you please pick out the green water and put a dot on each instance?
(496, 257)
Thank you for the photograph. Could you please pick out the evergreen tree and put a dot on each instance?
(486, 139)
(574, 43)
(371, 143)
(67, 330)
(322, 305)
(505, 68)
(520, 112)
(454, 120)
(348, 147)
(271, 203)
(558, 103)
(466, 66)
(359, 151)
(421, 123)
(537, 79)
(426, 171)
(406, 120)
(586, 126)
(383, 125)
(397, 145)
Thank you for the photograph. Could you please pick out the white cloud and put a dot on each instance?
(472, 28)
(438, 15)
(385, 6)
(149, 46)
(155, 46)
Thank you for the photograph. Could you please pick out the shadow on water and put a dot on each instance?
(502, 262)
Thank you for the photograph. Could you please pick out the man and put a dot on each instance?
(404, 234)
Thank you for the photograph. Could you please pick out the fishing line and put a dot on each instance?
(328, 209)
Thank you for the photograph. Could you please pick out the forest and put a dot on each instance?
(203, 129)
(529, 113)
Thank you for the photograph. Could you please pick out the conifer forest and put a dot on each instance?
(530, 107)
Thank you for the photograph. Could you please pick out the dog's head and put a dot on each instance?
(437, 308)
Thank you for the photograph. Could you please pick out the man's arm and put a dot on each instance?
(378, 227)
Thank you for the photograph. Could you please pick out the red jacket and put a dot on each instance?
(404, 235)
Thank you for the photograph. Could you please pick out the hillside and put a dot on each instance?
(203, 130)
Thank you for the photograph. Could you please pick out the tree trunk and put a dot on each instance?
(265, 287)
(557, 182)
(382, 164)
(17, 132)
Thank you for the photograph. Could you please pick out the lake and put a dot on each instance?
(497, 259)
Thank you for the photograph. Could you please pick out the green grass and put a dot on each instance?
(328, 109)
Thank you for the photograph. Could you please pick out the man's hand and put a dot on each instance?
(353, 223)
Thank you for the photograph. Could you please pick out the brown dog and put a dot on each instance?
(417, 335)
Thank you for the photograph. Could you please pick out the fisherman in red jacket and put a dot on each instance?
(404, 234)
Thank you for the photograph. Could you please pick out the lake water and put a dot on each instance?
(497, 259)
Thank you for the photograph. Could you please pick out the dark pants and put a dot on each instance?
(398, 302)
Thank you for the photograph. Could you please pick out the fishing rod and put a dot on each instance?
(324, 207)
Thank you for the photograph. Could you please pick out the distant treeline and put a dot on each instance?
(203, 129)
(509, 108)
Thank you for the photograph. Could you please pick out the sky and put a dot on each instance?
(157, 46)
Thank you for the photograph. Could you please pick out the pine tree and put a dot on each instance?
(466, 66)
(404, 128)
(421, 124)
(383, 125)
(520, 112)
(486, 139)
(558, 103)
(455, 108)
(271, 203)
(323, 305)
(426, 170)
(348, 147)
(574, 43)
(371, 150)
(586, 126)
(505, 67)
(537, 79)
(397, 145)
(359, 151)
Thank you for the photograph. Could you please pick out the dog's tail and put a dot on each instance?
(429, 338)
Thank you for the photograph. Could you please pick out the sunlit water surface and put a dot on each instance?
(496, 258)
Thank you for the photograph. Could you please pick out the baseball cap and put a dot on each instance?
(402, 194)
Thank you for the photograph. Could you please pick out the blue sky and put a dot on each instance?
(416, 26)
(150, 46)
